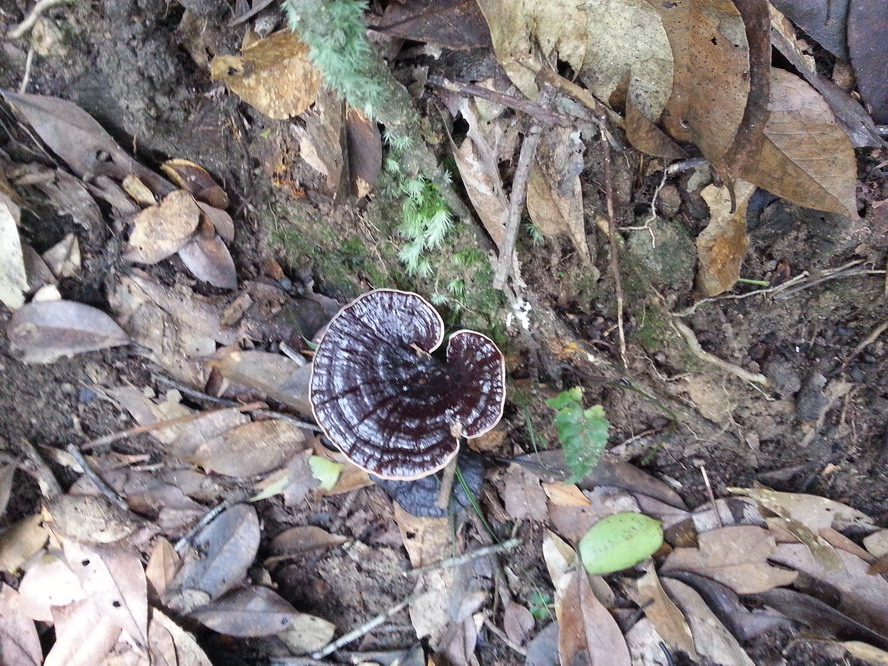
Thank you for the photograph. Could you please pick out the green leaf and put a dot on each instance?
(326, 471)
(583, 432)
(619, 542)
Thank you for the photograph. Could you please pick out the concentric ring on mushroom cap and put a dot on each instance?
(390, 407)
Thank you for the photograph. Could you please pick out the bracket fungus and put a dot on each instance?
(391, 407)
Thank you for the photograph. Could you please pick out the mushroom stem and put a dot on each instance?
(443, 501)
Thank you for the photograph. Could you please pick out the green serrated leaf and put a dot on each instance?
(583, 432)
(619, 542)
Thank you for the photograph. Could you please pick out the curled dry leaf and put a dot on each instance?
(736, 556)
(170, 645)
(197, 180)
(209, 260)
(663, 614)
(21, 541)
(19, 643)
(484, 187)
(303, 539)
(806, 156)
(251, 449)
(722, 245)
(84, 635)
(220, 220)
(162, 230)
(45, 332)
(91, 518)
(163, 563)
(13, 277)
(275, 75)
(587, 633)
(247, 612)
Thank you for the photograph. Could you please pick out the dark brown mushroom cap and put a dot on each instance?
(392, 408)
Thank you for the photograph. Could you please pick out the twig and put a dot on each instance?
(194, 393)
(458, 560)
(499, 633)
(32, 17)
(211, 515)
(364, 629)
(148, 427)
(26, 76)
(446, 490)
(612, 238)
(280, 416)
(517, 196)
(532, 109)
(867, 341)
(49, 485)
(698, 351)
(687, 312)
(96, 479)
(584, 97)
(711, 495)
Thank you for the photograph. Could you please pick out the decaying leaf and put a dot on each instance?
(209, 260)
(63, 258)
(736, 556)
(806, 156)
(645, 136)
(162, 566)
(587, 633)
(162, 230)
(814, 512)
(524, 497)
(84, 635)
(170, 645)
(663, 614)
(722, 245)
(484, 187)
(19, 643)
(274, 74)
(197, 180)
(45, 332)
(303, 539)
(21, 541)
(364, 151)
(323, 140)
(554, 195)
(248, 611)
(91, 518)
(275, 375)
(251, 449)
(13, 278)
(452, 24)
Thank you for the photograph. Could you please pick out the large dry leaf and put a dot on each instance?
(864, 597)
(222, 553)
(19, 643)
(21, 541)
(603, 41)
(452, 24)
(587, 633)
(645, 136)
(91, 518)
(45, 332)
(13, 277)
(663, 614)
(170, 645)
(84, 635)
(736, 556)
(523, 496)
(711, 638)
(197, 180)
(249, 611)
(79, 140)
(484, 187)
(816, 513)
(209, 260)
(113, 579)
(806, 156)
(162, 230)
(275, 375)
(275, 75)
(868, 48)
(554, 194)
(251, 449)
(722, 245)
(322, 139)
(303, 539)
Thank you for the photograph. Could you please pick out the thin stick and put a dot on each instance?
(96, 479)
(26, 77)
(499, 633)
(32, 17)
(280, 416)
(612, 238)
(364, 629)
(532, 109)
(687, 312)
(458, 560)
(194, 393)
(517, 196)
(49, 485)
(709, 492)
(443, 501)
(867, 341)
(183, 543)
(148, 427)
(698, 351)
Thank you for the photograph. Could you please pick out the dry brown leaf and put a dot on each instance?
(145, 411)
(722, 245)
(806, 156)
(364, 152)
(558, 556)
(518, 622)
(48, 582)
(645, 645)
(170, 645)
(220, 556)
(574, 521)
(484, 187)
(645, 136)
(63, 258)
(140, 192)
(21, 541)
(19, 642)
(84, 636)
(275, 75)
(246, 612)
(554, 195)
(303, 539)
(736, 556)
(451, 24)
(816, 513)
(711, 638)
(523, 496)
(163, 563)
(563, 494)
(91, 518)
(162, 230)
(221, 221)
(663, 614)
(307, 633)
(251, 449)
(866, 652)
(113, 579)
(45, 332)
(821, 550)
(209, 260)
(587, 633)
(197, 180)
(272, 374)
(13, 277)
(323, 141)
(602, 41)
(864, 597)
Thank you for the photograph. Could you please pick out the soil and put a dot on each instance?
(823, 429)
